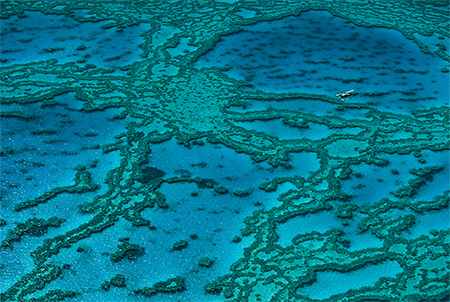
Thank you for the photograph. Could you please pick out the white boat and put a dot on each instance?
(346, 94)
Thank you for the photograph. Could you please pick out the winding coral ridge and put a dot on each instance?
(173, 99)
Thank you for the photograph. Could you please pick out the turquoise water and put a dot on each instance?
(378, 182)
(23, 40)
(316, 107)
(293, 54)
(188, 93)
(330, 283)
(44, 161)
(282, 131)
(321, 222)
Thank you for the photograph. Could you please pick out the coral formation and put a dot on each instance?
(205, 262)
(172, 285)
(33, 227)
(118, 281)
(180, 245)
(165, 95)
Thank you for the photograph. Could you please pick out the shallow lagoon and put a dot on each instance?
(342, 282)
(330, 56)
(29, 39)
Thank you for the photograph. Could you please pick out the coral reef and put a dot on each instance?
(180, 245)
(126, 249)
(33, 227)
(205, 262)
(165, 96)
(172, 285)
(118, 281)
(82, 184)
